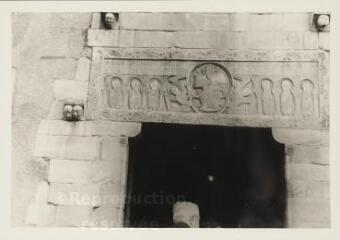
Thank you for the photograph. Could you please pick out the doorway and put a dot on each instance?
(235, 175)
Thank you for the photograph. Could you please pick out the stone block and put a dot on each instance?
(129, 38)
(56, 110)
(247, 40)
(105, 217)
(73, 216)
(57, 44)
(270, 22)
(70, 20)
(103, 38)
(65, 128)
(146, 39)
(218, 40)
(215, 21)
(84, 172)
(308, 212)
(40, 214)
(114, 149)
(308, 189)
(74, 194)
(83, 69)
(112, 194)
(68, 89)
(110, 128)
(199, 39)
(301, 136)
(203, 39)
(95, 21)
(41, 194)
(76, 41)
(308, 154)
(88, 128)
(57, 68)
(67, 147)
(324, 40)
(305, 171)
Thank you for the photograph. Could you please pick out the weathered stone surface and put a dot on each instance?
(56, 110)
(215, 40)
(74, 194)
(308, 154)
(73, 216)
(301, 136)
(89, 128)
(308, 189)
(308, 212)
(112, 194)
(95, 21)
(214, 21)
(58, 44)
(105, 217)
(241, 40)
(68, 90)
(324, 40)
(169, 101)
(70, 20)
(76, 41)
(83, 69)
(114, 149)
(57, 68)
(33, 95)
(110, 128)
(67, 147)
(306, 171)
(84, 172)
(65, 128)
(39, 212)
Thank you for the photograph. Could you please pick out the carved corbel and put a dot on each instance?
(73, 111)
(321, 22)
(110, 20)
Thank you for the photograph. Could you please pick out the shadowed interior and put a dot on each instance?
(235, 175)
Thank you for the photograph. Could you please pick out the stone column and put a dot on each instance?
(307, 175)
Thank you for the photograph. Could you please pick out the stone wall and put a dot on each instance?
(46, 47)
(88, 158)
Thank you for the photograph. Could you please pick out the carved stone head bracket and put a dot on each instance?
(110, 20)
(321, 22)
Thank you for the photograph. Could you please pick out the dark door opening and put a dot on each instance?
(235, 175)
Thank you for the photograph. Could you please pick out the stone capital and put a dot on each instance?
(301, 136)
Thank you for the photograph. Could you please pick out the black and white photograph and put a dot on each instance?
(171, 119)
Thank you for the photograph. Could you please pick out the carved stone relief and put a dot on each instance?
(230, 88)
(114, 92)
(210, 88)
(287, 98)
(135, 94)
(268, 98)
